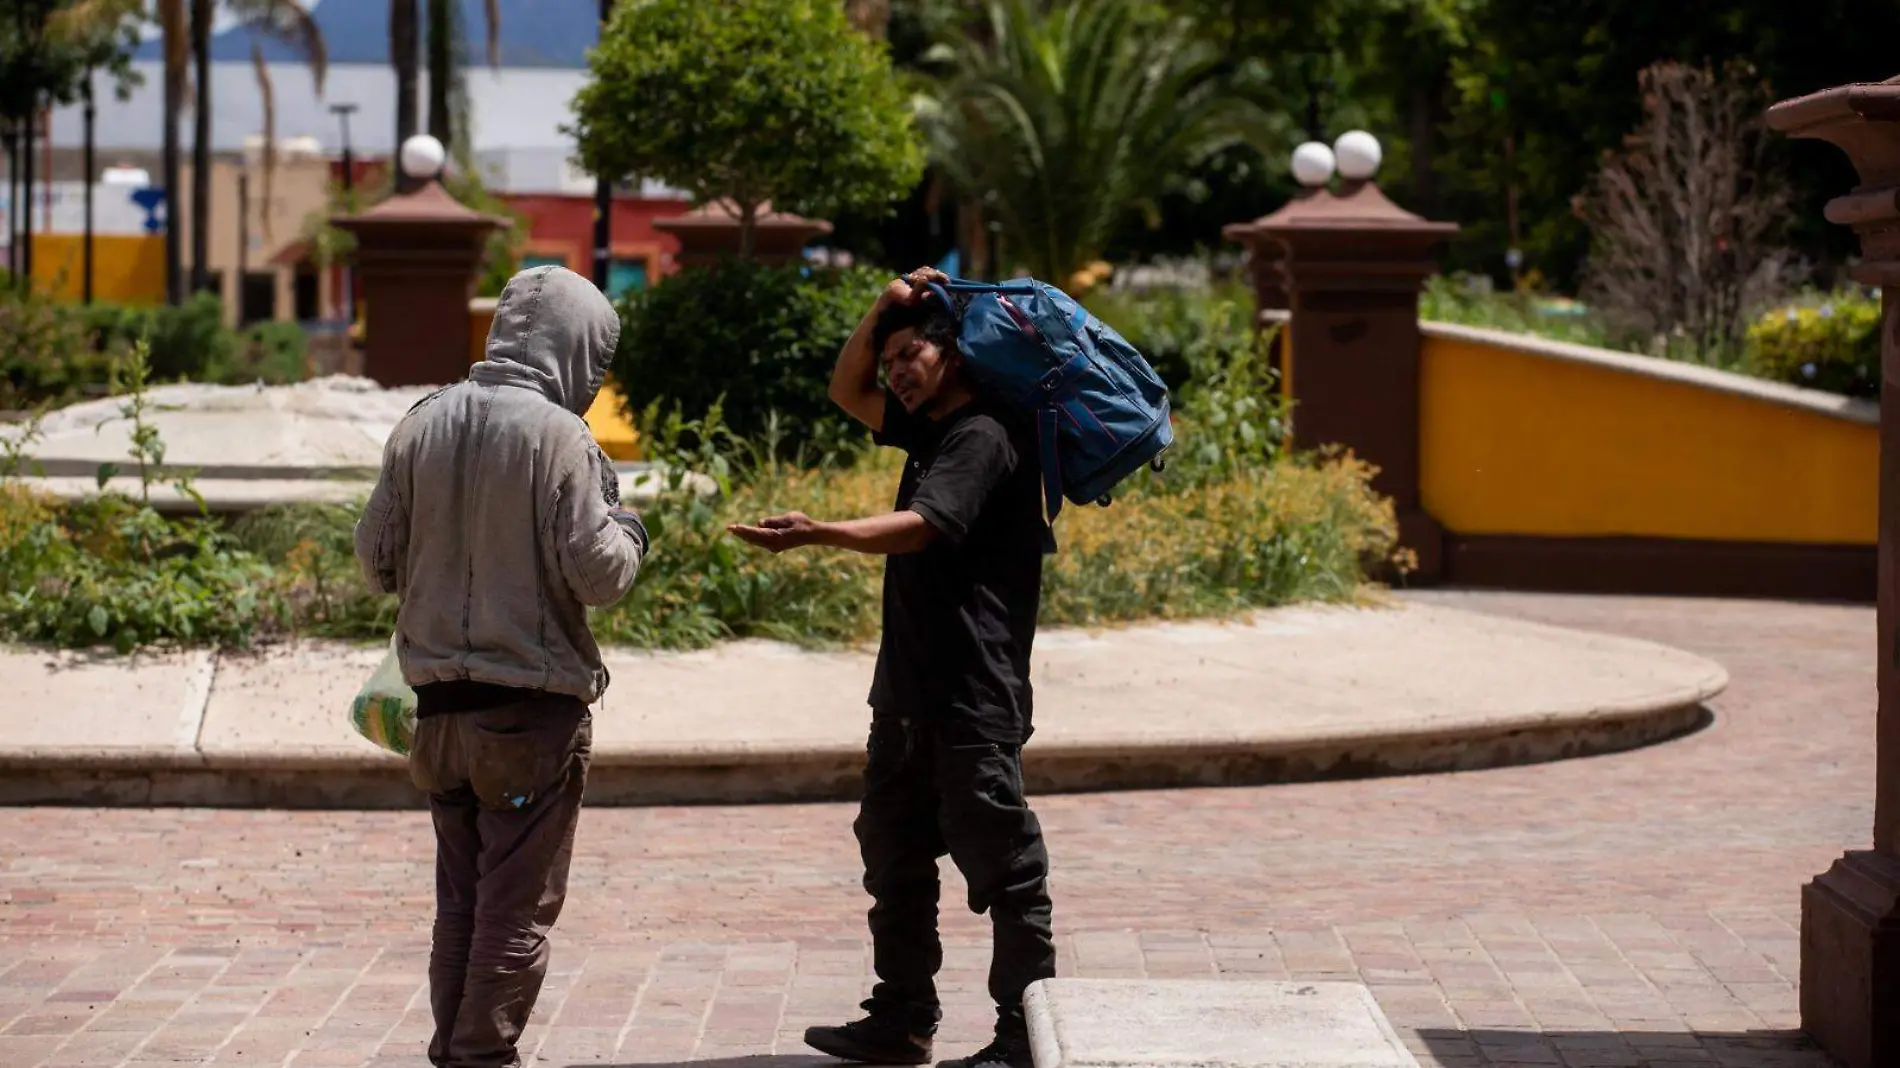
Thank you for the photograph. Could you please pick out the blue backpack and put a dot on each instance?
(1101, 412)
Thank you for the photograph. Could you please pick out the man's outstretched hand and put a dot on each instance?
(778, 533)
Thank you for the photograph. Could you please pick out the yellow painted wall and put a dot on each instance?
(125, 269)
(611, 427)
(1518, 443)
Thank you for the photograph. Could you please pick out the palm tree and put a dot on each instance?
(1062, 124)
(448, 91)
(404, 33)
(287, 20)
(445, 64)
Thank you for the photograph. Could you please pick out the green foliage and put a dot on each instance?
(749, 101)
(1218, 368)
(1186, 333)
(1829, 342)
(56, 353)
(762, 337)
(1470, 300)
(314, 579)
(46, 352)
(47, 48)
(1064, 122)
(112, 571)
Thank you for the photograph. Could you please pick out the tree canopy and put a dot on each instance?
(752, 102)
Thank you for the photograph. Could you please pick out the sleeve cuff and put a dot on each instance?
(632, 524)
(950, 530)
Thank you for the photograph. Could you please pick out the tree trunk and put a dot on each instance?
(201, 149)
(748, 229)
(1424, 132)
(12, 139)
(176, 52)
(441, 71)
(402, 56)
(26, 199)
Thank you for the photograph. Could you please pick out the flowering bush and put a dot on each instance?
(1829, 342)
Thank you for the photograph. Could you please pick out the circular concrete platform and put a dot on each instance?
(1290, 695)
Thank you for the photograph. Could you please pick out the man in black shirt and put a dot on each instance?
(951, 703)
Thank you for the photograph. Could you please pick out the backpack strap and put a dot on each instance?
(1048, 427)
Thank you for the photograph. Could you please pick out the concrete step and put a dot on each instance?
(1113, 1023)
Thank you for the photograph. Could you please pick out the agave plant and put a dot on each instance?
(1063, 121)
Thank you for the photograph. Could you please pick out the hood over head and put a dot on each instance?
(554, 332)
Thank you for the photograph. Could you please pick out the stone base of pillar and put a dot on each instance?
(1850, 960)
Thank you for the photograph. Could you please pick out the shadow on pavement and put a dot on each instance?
(1623, 1049)
(760, 1060)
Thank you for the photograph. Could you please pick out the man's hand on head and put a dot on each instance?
(778, 533)
(913, 287)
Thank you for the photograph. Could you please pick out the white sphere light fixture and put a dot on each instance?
(1313, 164)
(422, 157)
(1359, 155)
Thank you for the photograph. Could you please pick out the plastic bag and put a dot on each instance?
(384, 710)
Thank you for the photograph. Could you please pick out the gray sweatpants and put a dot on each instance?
(504, 787)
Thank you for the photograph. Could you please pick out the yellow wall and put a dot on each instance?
(125, 269)
(611, 427)
(1513, 442)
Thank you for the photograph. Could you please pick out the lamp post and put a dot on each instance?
(343, 113)
(603, 198)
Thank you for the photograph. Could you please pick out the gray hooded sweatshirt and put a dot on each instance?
(496, 516)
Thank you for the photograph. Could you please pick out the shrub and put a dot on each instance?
(55, 353)
(1830, 343)
(754, 102)
(314, 580)
(185, 341)
(764, 338)
(1470, 300)
(45, 353)
(1186, 334)
(111, 570)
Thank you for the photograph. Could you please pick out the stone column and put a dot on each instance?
(1353, 264)
(418, 255)
(1850, 916)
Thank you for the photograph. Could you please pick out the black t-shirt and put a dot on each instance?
(960, 616)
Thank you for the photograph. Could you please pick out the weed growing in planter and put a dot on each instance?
(111, 570)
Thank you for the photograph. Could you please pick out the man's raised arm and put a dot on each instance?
(854, 385)
(854, 380)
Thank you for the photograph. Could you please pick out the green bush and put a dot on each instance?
(1470, 300)
(55, 353)
(1830, 343)
(1186, 334)
(46, 354)
(185, 341)
(763, 338)
(111, 570)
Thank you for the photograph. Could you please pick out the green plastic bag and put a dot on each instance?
(384, 710)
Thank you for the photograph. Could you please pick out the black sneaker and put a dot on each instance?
(1010, 1052)
(872, 1040)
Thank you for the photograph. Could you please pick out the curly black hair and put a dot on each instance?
(933, 322)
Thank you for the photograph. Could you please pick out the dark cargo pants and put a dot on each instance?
(504, 787)
(927, 794)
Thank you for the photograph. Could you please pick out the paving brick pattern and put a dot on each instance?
(1637, 909)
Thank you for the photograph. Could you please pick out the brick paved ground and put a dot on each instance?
(1625, 910)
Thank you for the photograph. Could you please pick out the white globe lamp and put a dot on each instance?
(1359, 155)
(1313, 164)
(422, 157)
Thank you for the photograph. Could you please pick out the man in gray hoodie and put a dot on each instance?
(497, 521)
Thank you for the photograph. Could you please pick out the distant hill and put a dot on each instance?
(534, 33)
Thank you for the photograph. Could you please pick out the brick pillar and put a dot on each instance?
(1850, 916)
(1352, 263)
(417, 256)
